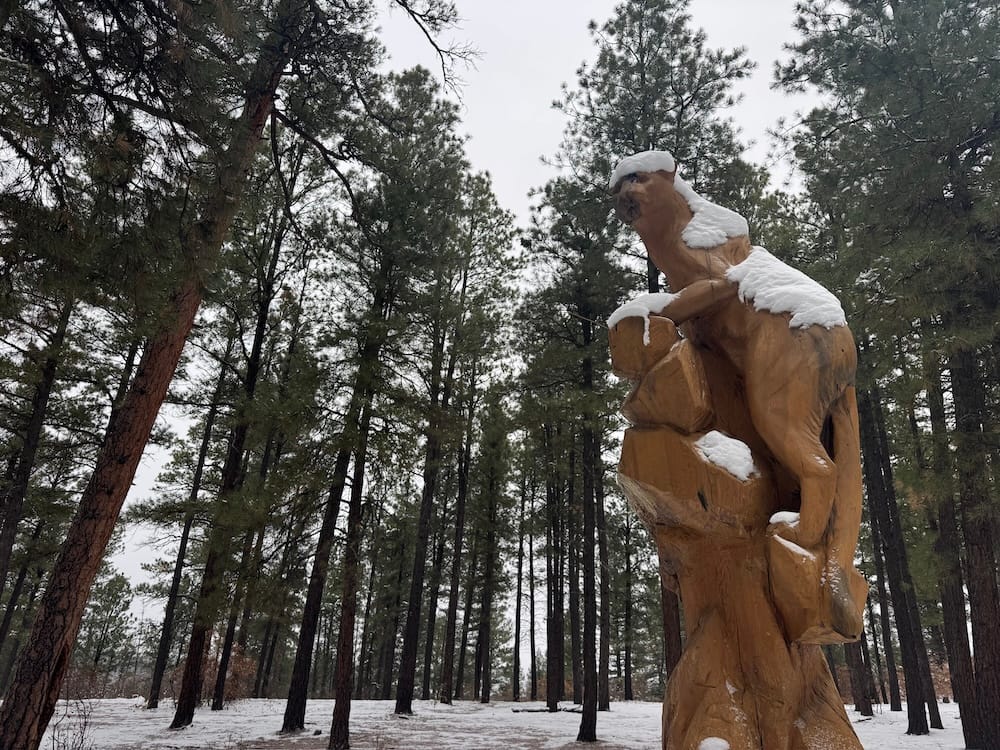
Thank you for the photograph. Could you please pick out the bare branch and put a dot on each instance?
(431, 21)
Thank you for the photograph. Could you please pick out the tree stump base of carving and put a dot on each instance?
(755, 605)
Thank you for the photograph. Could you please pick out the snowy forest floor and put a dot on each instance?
(122, 724)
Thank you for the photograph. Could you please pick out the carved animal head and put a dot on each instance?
(645, 195)
(638, 190)
(650, 204)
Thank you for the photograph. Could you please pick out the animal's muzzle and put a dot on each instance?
(626, 207)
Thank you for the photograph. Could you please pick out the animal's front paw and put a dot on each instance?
(786, 525)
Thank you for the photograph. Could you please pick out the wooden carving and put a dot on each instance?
(743, 460)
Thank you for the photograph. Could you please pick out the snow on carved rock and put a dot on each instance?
(776, 287)
(727, 453)
(713, 743)
(641, 307)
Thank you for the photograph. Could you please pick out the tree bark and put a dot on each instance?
(432, 464)
(554, 627)
(340, 727)
(295, 706)
(588, 720)
(220, 537)
(980, 544)
(390, 631)
(467, 616)
(366, 649)
(859, 679)
(869, 676)
(885, 625)
(432, 606)
(14, 486)
(913, 610)
(493, 494)
(167, 628)
(42, 666)
(575, 534)
(229, 639)
(627, 625)
(446, 687)
(604, 655)
(879, 482)
(15, 594)
(15, 647)
(879, 671)
(531, 604)
(590, 459)
(518, 596)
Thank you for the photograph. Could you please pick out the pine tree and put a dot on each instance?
(655, 84)
(901, 160)
(187, 94)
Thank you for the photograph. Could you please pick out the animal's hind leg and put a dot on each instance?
(805, 457)
(846, 515)
(790, 421)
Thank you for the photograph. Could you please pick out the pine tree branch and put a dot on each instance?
(430, 21)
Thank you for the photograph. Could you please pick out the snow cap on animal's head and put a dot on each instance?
(645, 161)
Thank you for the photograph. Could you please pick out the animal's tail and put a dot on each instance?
(845, 518)
(846, 587)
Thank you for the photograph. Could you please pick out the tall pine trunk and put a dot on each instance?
(531, 603)
(879, 488)
(978, 526)
(493, 491)
(14, 484)
(590, 459)
(950, 580)
(627, 624)
(15, 647)
(913, 611)
(31, 698)
(574, 534)
(167, 628)
(604, 655)
(15, 593)
(220, 536)
(229, 638)
(554, 626)
(295, 706)
(432, 606)
(895, 700)
(470, 591)
(361, 396)
(518, 596)
(588, 721)
(859, 678)
(440, 387)
(446, 688)
(344, 674)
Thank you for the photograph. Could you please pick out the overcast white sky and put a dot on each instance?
(528, 49)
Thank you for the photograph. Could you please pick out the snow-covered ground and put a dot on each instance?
(252, 725)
